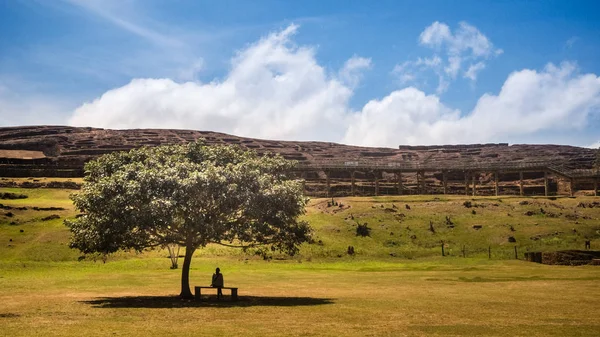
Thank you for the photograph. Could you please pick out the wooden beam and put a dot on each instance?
(596, 187)
(571, 187)
(445, 181)
(376, 182)
(400, 184)
(466, 182)
(546, 183)
(521, 183)
(496, 182)
(328, 183)
(474, 184)
(352, 173)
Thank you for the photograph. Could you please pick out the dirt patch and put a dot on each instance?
(21, 154)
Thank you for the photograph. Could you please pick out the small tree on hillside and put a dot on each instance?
(192, 195)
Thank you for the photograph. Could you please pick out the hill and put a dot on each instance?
(329, 169)
(62, 150)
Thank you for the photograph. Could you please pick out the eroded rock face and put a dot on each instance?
(61, 151)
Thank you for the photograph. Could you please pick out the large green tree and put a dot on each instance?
(192, 195)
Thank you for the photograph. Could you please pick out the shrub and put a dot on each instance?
(363, 230)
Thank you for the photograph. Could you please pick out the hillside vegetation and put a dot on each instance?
(398, 227)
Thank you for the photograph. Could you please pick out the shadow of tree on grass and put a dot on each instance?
(177, 302)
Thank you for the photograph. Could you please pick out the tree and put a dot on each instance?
(192, 195)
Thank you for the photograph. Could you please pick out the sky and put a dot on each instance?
(371, 73)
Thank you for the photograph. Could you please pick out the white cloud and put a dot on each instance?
(274, 90)
(278, 90)
(471, 73)
(352, 71)
(596, 145)
(404, 72)
(465, 45)
(453, 66)
(557, 98)
(429, 61)
(403, 117)
(435, 34)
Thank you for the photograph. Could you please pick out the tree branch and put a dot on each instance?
(251, 245)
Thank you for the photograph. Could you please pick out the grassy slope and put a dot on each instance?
(43, 290)
(405, 233)
(396, 230)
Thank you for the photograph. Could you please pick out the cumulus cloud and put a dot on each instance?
(466, 46)
(556, 98)
(276, 89)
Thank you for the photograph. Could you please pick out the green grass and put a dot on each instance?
(44, 290)
(425, 298)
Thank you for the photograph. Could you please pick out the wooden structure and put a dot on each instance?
(198, 292)
(398, 178)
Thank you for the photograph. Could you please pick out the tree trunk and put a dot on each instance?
(185, 273)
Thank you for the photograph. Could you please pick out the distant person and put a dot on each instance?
(217, 282)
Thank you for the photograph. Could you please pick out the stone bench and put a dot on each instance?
(198, 292)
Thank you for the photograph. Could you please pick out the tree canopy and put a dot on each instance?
(192, 195)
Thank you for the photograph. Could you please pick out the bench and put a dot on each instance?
(198, 292)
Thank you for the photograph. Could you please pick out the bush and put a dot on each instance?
(12, 196)
(363, 230)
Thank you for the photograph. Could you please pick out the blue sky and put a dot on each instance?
(376, 73)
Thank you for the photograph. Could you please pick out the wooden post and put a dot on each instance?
(464, 251)
(376, 182)
(516, 255)
(400, 186)
(419, 183)
(197, 293)
(521, 183)
(546, 183)
(445, 181)
(571, 187)
(474, 184)
(496, 182)
(328, 184)
(490, 252)
(352, 173)
(595, 187)
(466, 183)
(423, 189)
(443, 254)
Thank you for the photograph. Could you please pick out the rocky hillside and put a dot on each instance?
(61, 151)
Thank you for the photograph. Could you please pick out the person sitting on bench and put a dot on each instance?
(217, 282)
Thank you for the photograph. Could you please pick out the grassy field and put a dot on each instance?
(396, 284)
